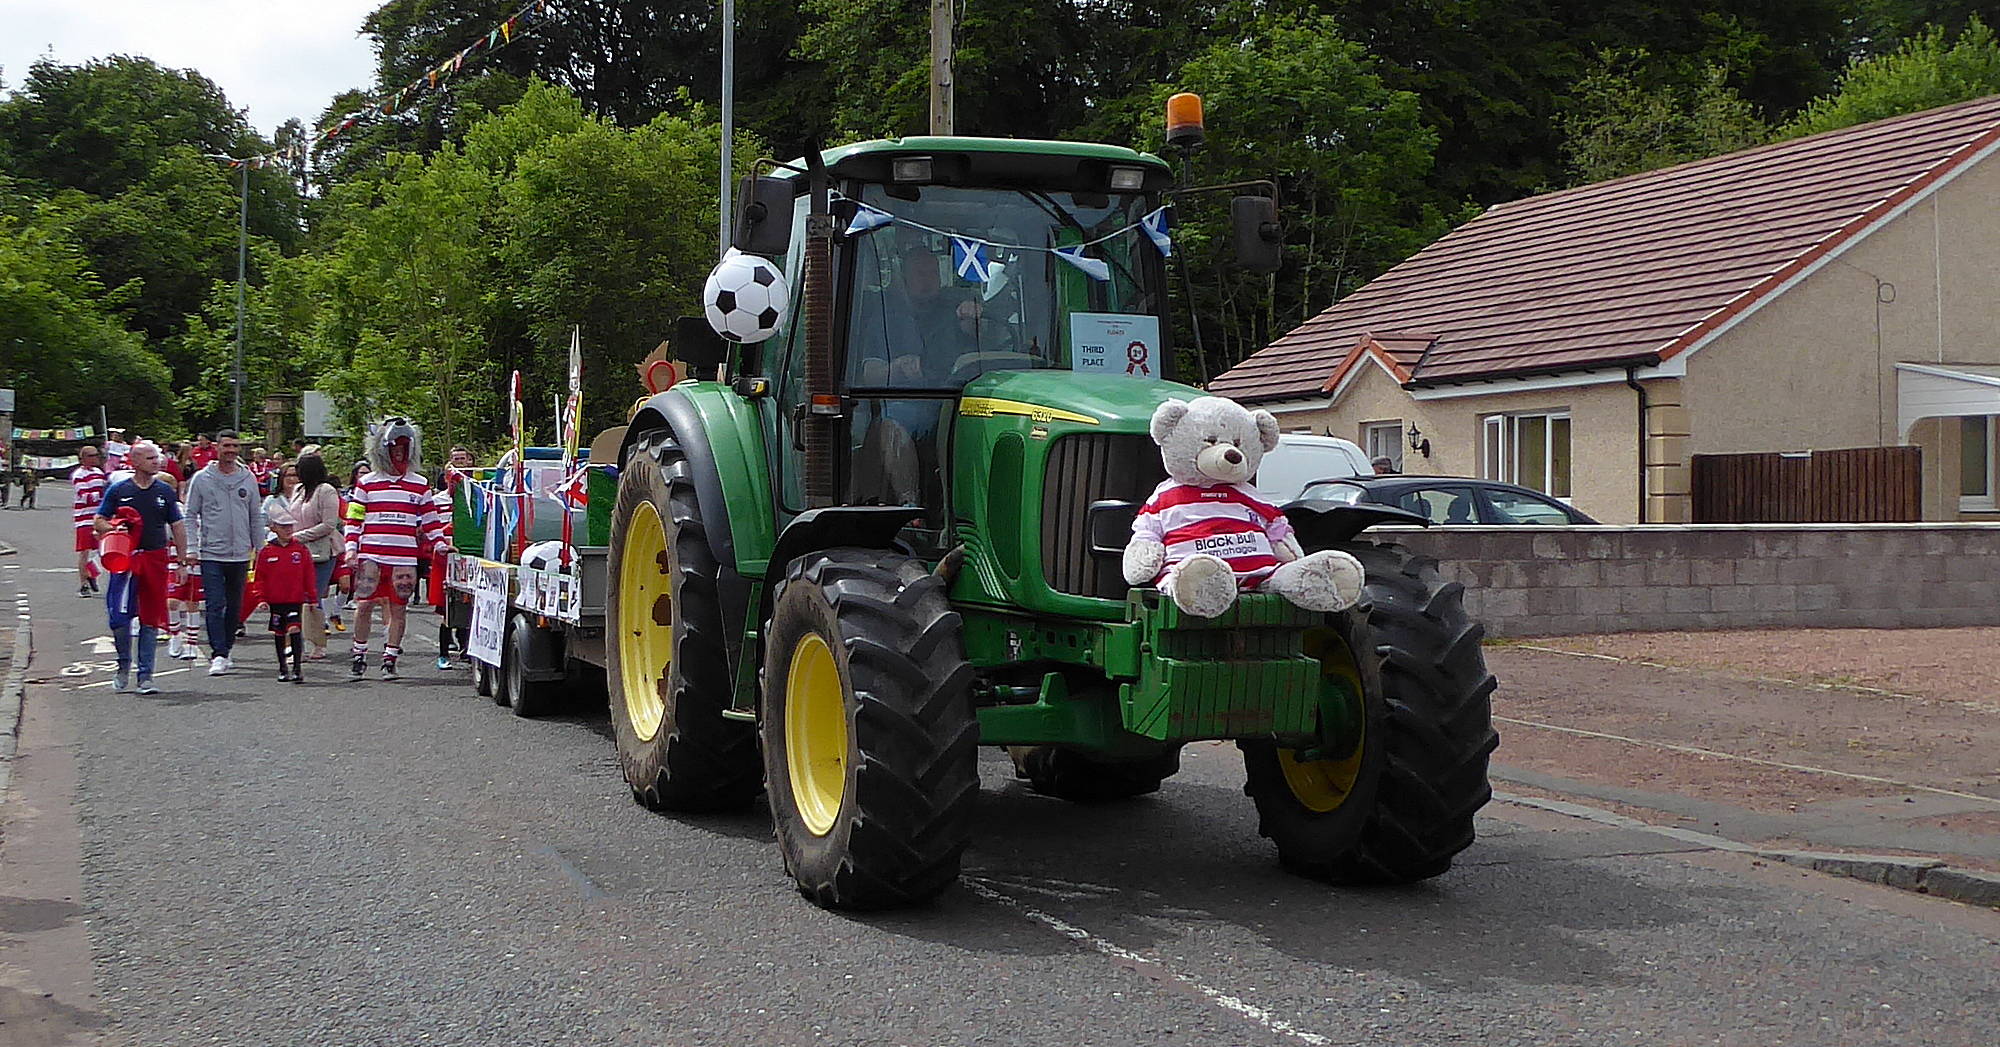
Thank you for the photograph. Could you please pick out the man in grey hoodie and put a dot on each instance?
(223, 534)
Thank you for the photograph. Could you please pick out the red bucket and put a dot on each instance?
(116, 551)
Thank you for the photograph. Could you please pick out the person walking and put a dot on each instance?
(315, 507)
(30, 479)
(141, 592)
(397, 522)
(87, 484)
(224, 534)
(285, 575)
(279, 489)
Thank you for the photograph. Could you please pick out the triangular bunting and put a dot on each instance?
(867, 219)
(968, 259)
(1095, 268)
(1155, 225)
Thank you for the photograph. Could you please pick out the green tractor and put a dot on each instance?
(891, 533)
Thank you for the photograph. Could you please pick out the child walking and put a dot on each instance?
(287, 582)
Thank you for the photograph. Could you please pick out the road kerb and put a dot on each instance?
(10, 704)
(1920, 875)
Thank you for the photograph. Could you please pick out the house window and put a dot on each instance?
(1384, 440)
(1528, 449)
(1975, 463)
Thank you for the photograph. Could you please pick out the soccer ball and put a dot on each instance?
(745, 297)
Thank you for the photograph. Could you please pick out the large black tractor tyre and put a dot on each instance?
(1071, 774)
(1401, 806)
(527, 698)
(482, 679)
(666, 666)
(870, 742)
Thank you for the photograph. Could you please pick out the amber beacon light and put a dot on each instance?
(1184, 129)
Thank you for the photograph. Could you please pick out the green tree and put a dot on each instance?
(1291, 100)
(1931, 69)
(1623, 121)
(63, 352)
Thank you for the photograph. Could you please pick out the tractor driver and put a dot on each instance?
(913, 333)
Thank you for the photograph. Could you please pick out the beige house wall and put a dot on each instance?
(1814, 369)
(1604, 420)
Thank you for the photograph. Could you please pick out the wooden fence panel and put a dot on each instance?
(1852, 485)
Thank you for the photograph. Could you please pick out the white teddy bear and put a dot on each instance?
(1204, 534)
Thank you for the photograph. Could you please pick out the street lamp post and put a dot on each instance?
(242, 256)
(242, 250)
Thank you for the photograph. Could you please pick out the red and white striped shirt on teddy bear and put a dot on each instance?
(397, 519)
(1227, 520)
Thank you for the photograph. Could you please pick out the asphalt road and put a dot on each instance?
(405, 863)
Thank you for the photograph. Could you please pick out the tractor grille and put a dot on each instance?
(1085, 468)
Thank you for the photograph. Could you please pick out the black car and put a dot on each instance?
(1450, 499)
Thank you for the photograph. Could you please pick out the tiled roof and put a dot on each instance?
(1633, 270)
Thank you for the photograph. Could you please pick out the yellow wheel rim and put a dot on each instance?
(646, 620)
(816, 734)
(1323, 785)
(1320, 785)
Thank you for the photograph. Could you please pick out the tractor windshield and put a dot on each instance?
(965, 280)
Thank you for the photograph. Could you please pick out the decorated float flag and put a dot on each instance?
(968, 259)
(868, 219)
(1095, 268)
(1155, 225)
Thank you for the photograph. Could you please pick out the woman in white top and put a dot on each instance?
(315, 505)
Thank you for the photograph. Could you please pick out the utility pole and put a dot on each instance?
(242, 251)
(728, 115)
(942, 117)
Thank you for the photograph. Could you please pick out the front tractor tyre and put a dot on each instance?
(667, 669)
(1397, 806)
(870, 743)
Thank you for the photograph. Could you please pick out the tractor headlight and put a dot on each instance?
(910, 169)
(1128, 179)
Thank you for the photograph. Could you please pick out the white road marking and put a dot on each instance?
(1698, 751)
(1216, 996)
(101, 645)
(107, 683)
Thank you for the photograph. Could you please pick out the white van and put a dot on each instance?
(1302, 458)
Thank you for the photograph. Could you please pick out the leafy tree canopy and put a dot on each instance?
(1931, 69)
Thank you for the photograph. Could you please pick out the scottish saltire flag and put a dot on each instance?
(968, 258)
(1095, 268)
(1155, 225)
(868, 219)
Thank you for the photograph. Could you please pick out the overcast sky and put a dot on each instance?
(277, 58)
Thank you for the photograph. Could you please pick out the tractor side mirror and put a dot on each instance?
(696, 344)
(1253, 230)
(763, 217)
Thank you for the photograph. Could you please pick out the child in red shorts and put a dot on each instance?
(287, 582)
(184, 615)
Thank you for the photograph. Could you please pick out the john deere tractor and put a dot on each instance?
(891, 533)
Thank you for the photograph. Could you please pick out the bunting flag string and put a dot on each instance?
(79, 432)
(39, 462)
(968, 258)
(968, 253)
(1096, 268)
(530, 15)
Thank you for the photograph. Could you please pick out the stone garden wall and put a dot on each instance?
(1530, 581)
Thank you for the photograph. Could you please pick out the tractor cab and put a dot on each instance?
(952, 259)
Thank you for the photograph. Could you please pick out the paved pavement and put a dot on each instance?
(240, 861)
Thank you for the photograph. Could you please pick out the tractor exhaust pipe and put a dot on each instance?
(823, 406)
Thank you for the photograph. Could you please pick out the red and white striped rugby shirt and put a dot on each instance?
(397, 518)
(1227, 520)
(90, 483)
